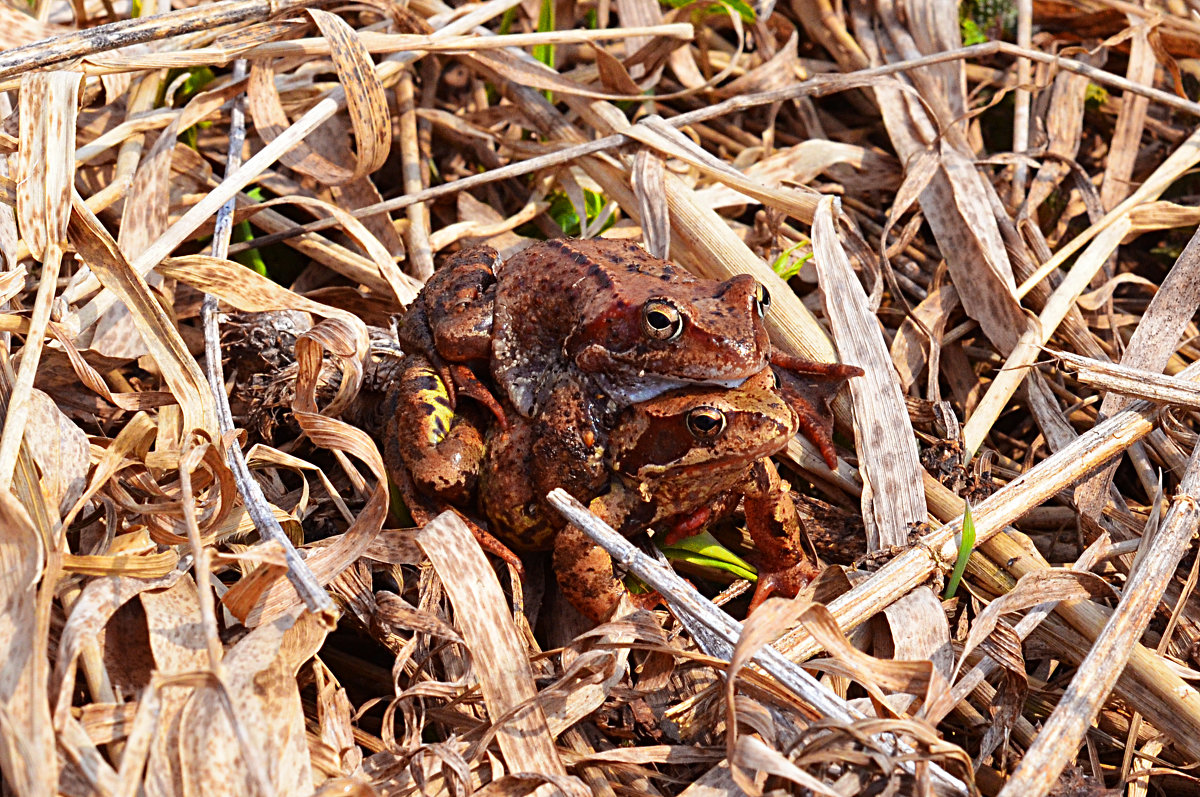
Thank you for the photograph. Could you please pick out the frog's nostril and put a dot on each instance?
(705, 423)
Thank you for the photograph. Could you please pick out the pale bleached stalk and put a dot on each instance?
(1095, 677)
(939, 549)
(376, 43)
(1021, 101)
(1133, 382)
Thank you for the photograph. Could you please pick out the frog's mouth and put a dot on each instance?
(651, 386)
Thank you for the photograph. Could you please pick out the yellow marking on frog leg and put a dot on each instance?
(434, 401)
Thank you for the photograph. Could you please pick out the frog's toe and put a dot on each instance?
(786, 583)
(469, 385)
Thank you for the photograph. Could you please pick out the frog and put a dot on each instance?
(573, 331)
(676, 463)
(633, 324)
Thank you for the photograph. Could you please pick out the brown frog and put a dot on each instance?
(635, 324)
(576, 330)
(623, 324)
(675, 462)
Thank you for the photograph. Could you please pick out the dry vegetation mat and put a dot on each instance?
(211, 214)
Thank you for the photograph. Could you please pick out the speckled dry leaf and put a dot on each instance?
(265, 699)
(919, 630)
(499, 661)
(46, 158)
(955, 201)
(893, 497)
(145, 218)
(178, 366)
(1153, 342)
(26, 736)
(251, 292)
(178, 646)
(910, 347)
(100, 599)
(365, 100)
(60, 448)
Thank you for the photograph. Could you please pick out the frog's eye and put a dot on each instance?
(705, 423)
(661, 320)
(762, 299)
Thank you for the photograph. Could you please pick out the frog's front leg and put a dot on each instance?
(778, 537)
(569, 442)
(585, 570)
(808, 387)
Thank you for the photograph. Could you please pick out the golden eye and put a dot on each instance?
(661, 320)
(762, 299)
(705, 423)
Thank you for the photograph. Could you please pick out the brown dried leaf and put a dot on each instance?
(500, 663)
(46, 158)
(27, 752)
(171, 354)
(892, 494)
(365, 99)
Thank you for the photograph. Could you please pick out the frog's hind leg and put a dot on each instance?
(585, 574)
(423, 509)
(441, 449)
(778, 536)
(808, 388)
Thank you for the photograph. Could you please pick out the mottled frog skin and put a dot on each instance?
(680, 461)
(614, 375)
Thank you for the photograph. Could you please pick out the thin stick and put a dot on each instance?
(315, 598)
(67, 46)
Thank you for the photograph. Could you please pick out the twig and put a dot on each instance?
(315, 598)
(66, 46)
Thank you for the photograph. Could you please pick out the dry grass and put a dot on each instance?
(199, 600)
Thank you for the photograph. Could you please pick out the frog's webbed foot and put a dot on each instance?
(787, 582)
(470, 385)
(808, 387)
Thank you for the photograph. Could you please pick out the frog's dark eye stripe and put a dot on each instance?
(762, 299)
(661, 320)
(705, 423)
